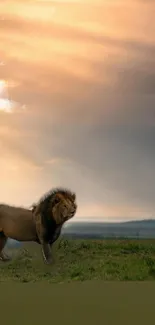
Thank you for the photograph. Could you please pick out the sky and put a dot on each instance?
(77, 104)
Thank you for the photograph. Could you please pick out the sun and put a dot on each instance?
(5, 105)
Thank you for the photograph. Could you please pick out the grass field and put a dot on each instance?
(81, 260)
(75, 289)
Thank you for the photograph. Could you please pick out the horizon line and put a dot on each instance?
(91, 219)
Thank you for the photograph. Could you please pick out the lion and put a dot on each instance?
(41, 224)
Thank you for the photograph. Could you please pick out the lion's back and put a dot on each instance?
(14, 212)
(16, 222)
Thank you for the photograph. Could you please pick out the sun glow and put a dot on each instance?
(2, 86)
(5, 104)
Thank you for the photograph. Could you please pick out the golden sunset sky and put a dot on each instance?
(77, 104)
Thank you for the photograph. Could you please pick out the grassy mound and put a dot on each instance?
(80, 260)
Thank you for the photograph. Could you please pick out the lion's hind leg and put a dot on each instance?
(3, 240)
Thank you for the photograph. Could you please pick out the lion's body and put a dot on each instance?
(17, 223)
(42, 224)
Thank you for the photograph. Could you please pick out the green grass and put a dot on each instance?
(94, 301)
(81, 260)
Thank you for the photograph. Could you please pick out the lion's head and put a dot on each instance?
(64, 206)
(58, 205)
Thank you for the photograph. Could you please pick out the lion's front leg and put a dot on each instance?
(47, 254)
(46, 249)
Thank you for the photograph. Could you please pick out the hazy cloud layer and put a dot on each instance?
(86, 75)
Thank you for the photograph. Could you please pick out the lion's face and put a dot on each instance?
(68, 209)
(65, 208)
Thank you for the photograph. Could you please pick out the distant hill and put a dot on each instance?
(129, 229)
